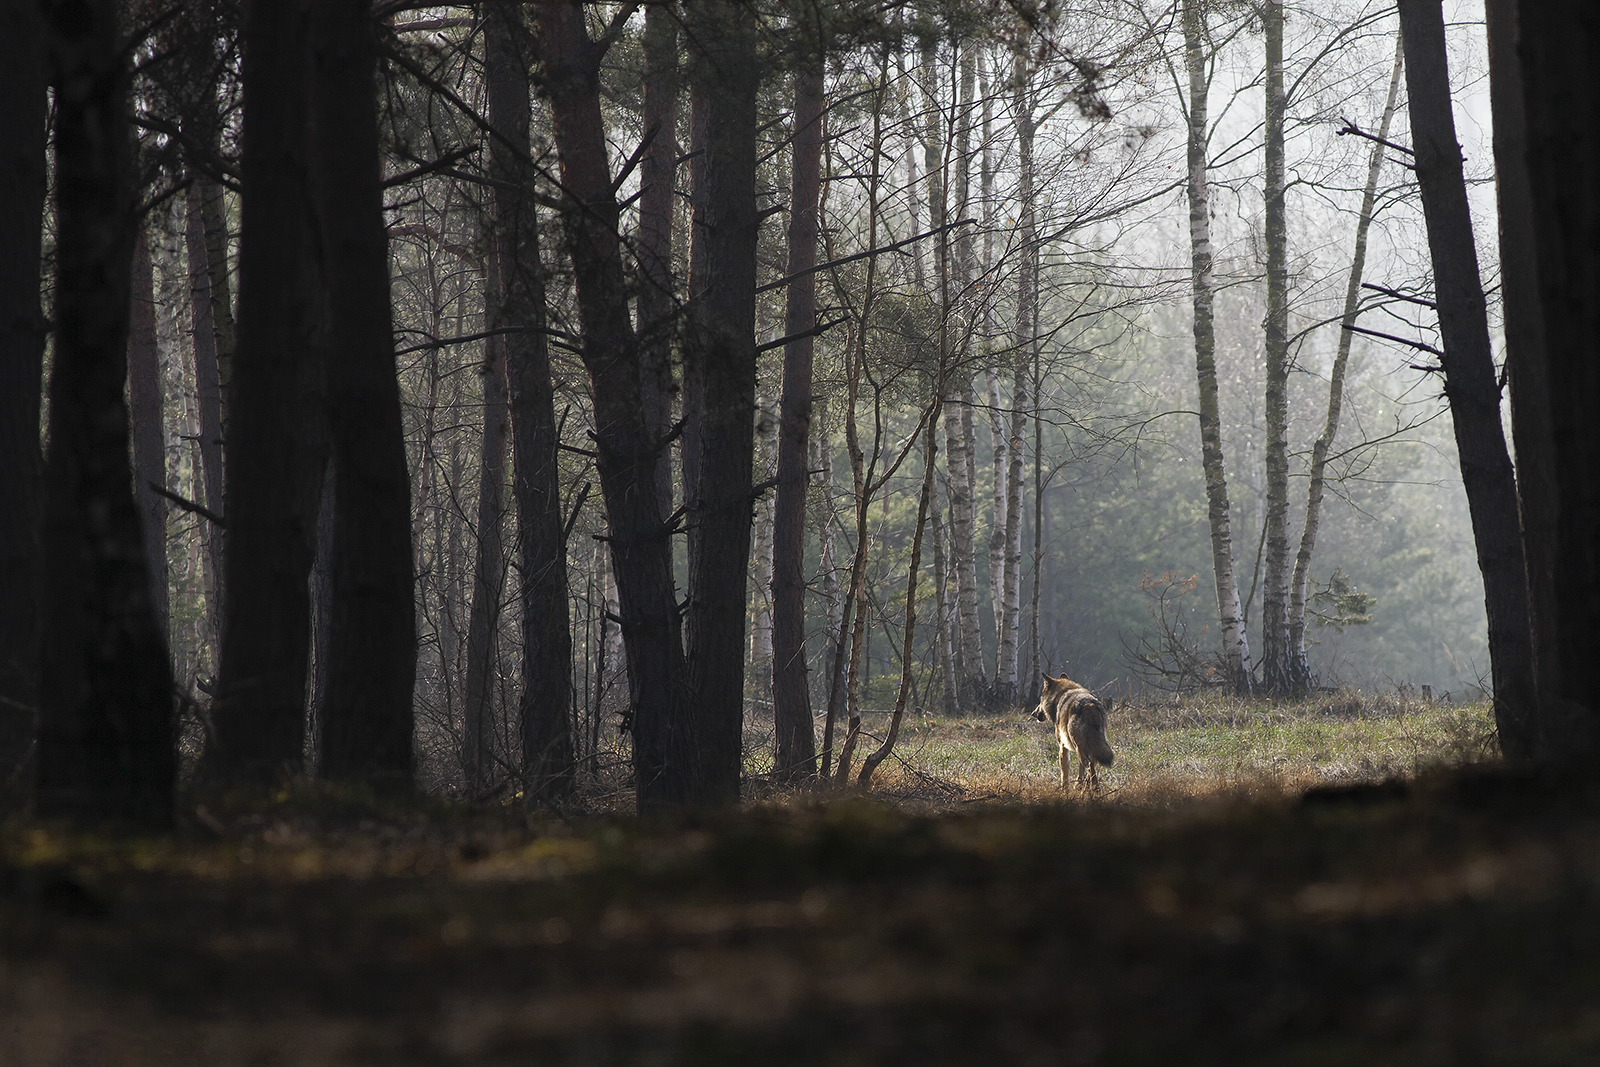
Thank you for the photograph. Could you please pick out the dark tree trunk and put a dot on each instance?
(791, 694)
(489, 560)
(366, 727)
(639, 537)
(23, 86)
(657, 305)
(1469, 373)
(106, 740)
(149, 440)
(544, 715)
(277, 434)
(1558, 42)
(721, 345)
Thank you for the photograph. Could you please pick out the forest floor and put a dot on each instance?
(1341, 881)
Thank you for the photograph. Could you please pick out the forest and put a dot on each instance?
(501, 494)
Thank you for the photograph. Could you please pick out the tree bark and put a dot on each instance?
(1275, 672)
(24, 85)
(208, 393)
(106, 742)
(1235, 641)
(149, 441)
(796, 745)
(1559, 371)
(544, 712)
(657, 312)
(627, 457)
(721, 346)
(1008, 655)
(276, 430)
(1469, 373)
(366, 728)
(489, 561)
(1299, 666)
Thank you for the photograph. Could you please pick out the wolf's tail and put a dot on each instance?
(1099, 748)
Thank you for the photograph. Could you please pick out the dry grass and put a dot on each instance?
(1171, 750)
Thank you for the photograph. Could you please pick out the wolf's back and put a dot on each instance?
(1088, 727)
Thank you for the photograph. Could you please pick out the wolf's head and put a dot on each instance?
(1050, 697)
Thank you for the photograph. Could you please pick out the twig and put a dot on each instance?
(188, 505)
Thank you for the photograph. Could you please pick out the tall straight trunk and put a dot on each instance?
(1007, 659)
(106, 739)
(1000, 451)
(913, 134)
(1299, 665)
(1469, 372)
(761, 536)
(489, 561)
(366, 728)
(145, 410)
(24, 86)
(693, 392)
(944, 629)
(208, 394)
(544, 712)
(214, 216)
(627, 457)
(1275, 672)
(1557, 43)
(1532, 425)
(966, 639)
(656, 307)
(722, 346)
(1035, 652)
(1235, 642)
(795, 742)
(276, 428)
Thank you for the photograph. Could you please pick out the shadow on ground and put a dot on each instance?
(1449, 921)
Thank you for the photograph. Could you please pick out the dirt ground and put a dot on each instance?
(1450, 921)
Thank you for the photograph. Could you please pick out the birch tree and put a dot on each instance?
(1197, 67)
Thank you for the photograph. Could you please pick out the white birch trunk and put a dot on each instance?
(1235, 644)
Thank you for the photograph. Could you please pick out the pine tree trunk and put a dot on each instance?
(208, 395)
(276, 428)
(796, 746)
(544, 712)
(640, 549)
(489, 561)
(22, 330)
(1532, 428)
(722, 346)
(656, 307)
(1275, 672)
(1557, 44)
(1469, 372)
(1235, 643)
(145, 420)
(366, 728)
(106, 741)
(1299, 665)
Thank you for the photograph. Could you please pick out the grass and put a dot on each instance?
(1199, 910)
(1172, 749)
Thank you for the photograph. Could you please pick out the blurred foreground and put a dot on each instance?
(1444, 915)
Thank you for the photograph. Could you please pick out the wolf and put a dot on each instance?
(1080, 721)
